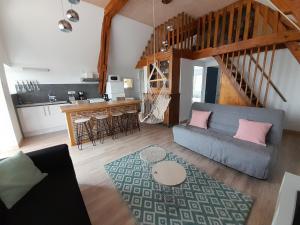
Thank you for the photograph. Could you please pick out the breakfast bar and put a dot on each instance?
(77, 111)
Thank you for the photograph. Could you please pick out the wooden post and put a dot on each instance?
(229, 38)
(270, 74)
(217, 16)
(243, 68)
(255, 74)
(262, 77)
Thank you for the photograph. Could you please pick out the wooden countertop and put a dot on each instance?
(95, 106)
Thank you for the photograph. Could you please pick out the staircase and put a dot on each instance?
(239, 36)
(250, 73)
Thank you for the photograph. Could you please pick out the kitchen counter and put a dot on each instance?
(41, 104)
(75, 111)
(97, 106)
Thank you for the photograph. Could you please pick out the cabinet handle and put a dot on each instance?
(44, 111)
(49, 111)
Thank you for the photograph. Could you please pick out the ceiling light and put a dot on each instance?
(72, 15)
(65, 26)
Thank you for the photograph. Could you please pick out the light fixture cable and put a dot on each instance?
(154, 36)
(62, 8)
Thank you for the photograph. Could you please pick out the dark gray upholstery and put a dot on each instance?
(217, 142)
(56, 200)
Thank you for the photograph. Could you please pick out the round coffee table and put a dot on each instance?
(153, 154)
(169, 173)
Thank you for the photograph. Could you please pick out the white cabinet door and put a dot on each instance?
(56, 117)
(41, 119)
(32, 119)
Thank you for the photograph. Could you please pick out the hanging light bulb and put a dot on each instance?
(72, 15)
(74, 2)
(64, 26)
(163, 49)
(170, 28)
(165, 43)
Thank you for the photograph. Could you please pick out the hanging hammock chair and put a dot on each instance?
(154, 104)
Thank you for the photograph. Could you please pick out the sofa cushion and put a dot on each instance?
(246, 157)
(55, 200)
(199, 119)
(252, 131)
(18, 175)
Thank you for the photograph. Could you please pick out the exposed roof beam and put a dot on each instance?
(111, 9)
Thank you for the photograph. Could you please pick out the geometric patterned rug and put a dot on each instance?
(201, 199)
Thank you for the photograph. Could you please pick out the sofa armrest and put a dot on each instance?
(52, 159)
(3, 213)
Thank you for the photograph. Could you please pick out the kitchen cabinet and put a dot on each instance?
(38, 120)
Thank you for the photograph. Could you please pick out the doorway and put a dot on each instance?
(212, 79)
(198, 84)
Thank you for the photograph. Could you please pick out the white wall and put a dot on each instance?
(10, 132)
(186, 86)
(286, 77)
(32, 39)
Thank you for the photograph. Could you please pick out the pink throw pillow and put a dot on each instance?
(252, 131)
(199, 118)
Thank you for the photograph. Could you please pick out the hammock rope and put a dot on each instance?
(158, 102)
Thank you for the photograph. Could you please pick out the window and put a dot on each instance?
(197, 84)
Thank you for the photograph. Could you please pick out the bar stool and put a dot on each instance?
(102, 126)
(81, 124)
(116, 124)
(132, 121)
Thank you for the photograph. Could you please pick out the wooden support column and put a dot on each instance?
(111, 9)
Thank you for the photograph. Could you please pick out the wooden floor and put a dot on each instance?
(103, 202)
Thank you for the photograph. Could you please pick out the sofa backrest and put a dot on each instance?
(226, 118)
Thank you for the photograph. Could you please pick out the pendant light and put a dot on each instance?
(170, 28)
(64, 25)
(74, 2)
(72, 15)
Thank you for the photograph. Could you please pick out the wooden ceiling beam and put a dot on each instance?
(111, 9)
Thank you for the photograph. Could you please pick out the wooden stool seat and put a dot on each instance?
(82, 120)
(116, 114)
(101, 117)
(131, 111)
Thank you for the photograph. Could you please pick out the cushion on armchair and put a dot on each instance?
(18, 175)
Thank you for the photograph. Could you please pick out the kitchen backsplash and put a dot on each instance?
(58, 90)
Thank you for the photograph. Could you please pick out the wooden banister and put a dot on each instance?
(270, 81)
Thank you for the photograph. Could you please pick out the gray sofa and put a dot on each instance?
(217, 141)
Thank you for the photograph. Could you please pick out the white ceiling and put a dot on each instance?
(141, 10)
